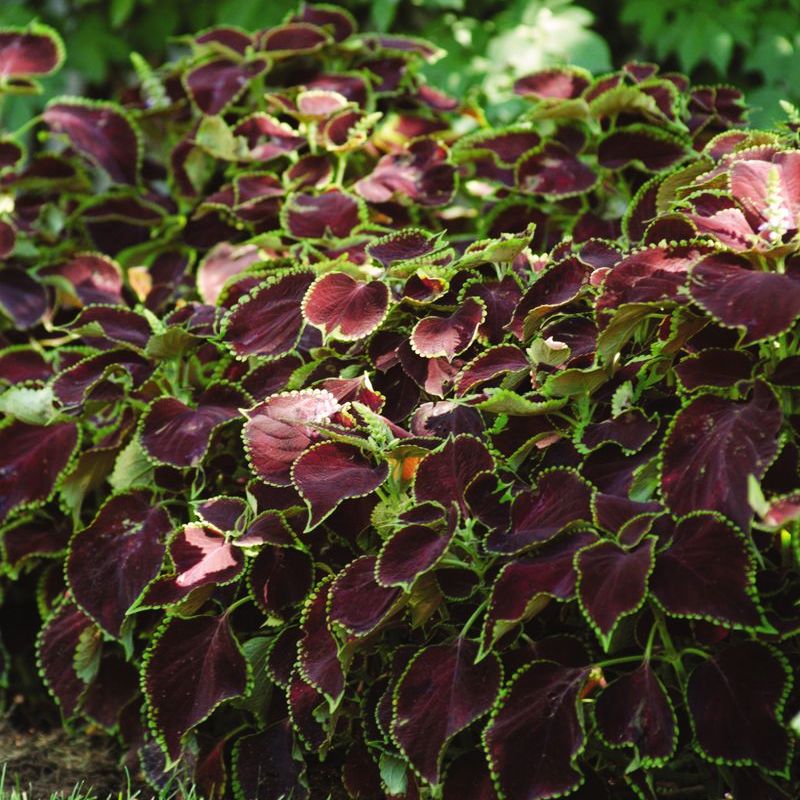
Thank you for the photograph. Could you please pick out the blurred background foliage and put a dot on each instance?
(754, 44)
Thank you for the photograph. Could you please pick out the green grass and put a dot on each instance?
(11, 790)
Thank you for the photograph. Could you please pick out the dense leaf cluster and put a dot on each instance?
(341, 425)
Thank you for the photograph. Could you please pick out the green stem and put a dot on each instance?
(475, 614)
(672, 655)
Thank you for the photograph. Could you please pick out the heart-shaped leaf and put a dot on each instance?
(435, 337)
(357, 601)
(736, 700)
(112, 560)
(193, 665)
(102, 131)
(713, 445)
(707, 572)
(330, 472)
(535, 735)
(268, 321)
(344, 307)
(635, 711)
(32, 459)
(441, 692)
(612, 583)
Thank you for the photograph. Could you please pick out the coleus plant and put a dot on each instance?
(342, 427)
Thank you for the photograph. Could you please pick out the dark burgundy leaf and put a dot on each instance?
(294, 38)
(30, 538)
(635, 711)
(318, 653)
(117, 324)
(559, 83)
(57, 643)
(525, 586)
(410, 552)
(271, 377)
(222, 263)
(111, 561)
(405, 245)
(357, 601)
(265, 767)
(96, 278)
(332, 214)
(706, 572)
(116, 685)
(227, 36)
(553, 171)
(177, 434)
(535, 736)
(713, 446)
(556, 287)
(500, 299)
(32, 459)
(612, 583)
(440, 693)
(216, 84)
(345, 307)
(8, 238)
(280, 577)
(714, 367)
(330, 472)
(222, 513)
(491, 364)
(762, 303)
(280, 429)
(435, 337)
(650, 147)
(735, 700)
(193, 665)
(631, 430)
(268, 321)
(22, 298)
(561, 498)
(36, 50)
(443, 476)
(101, 131)
(73, 384)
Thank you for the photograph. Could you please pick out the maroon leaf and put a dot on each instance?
(333, 214)
(713, 446)
(29, 538)
(101, 131)
(489, 365)
(280, 429)
(193, 665)
(95, 277)
(406, 245)
(345, 307)
(440, 693)
(32, 459)
(552, 170)
(265, 767)
(559, 82)
(280, 577)
(112, 560)
(410, 552)
(216, 84)
(269, 320)
(525, 586)
(330, 472)
(173, 433)
(22, 298)
(295, 38)
(36, 50)
(8, 238)
(318, 653)
(357, 601)
(500, 299)
(714, 367)
(435, 337)
(73, 384)
(535, 735)
(612, 583)
(57, 642)
(116, 324)
(631, 430)
(649, 147)
(706, 572)
(561, 498)
(635, 711)
(115, 685)
(762, 303)
(735, 701)
(222, 263)
(443, 476)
